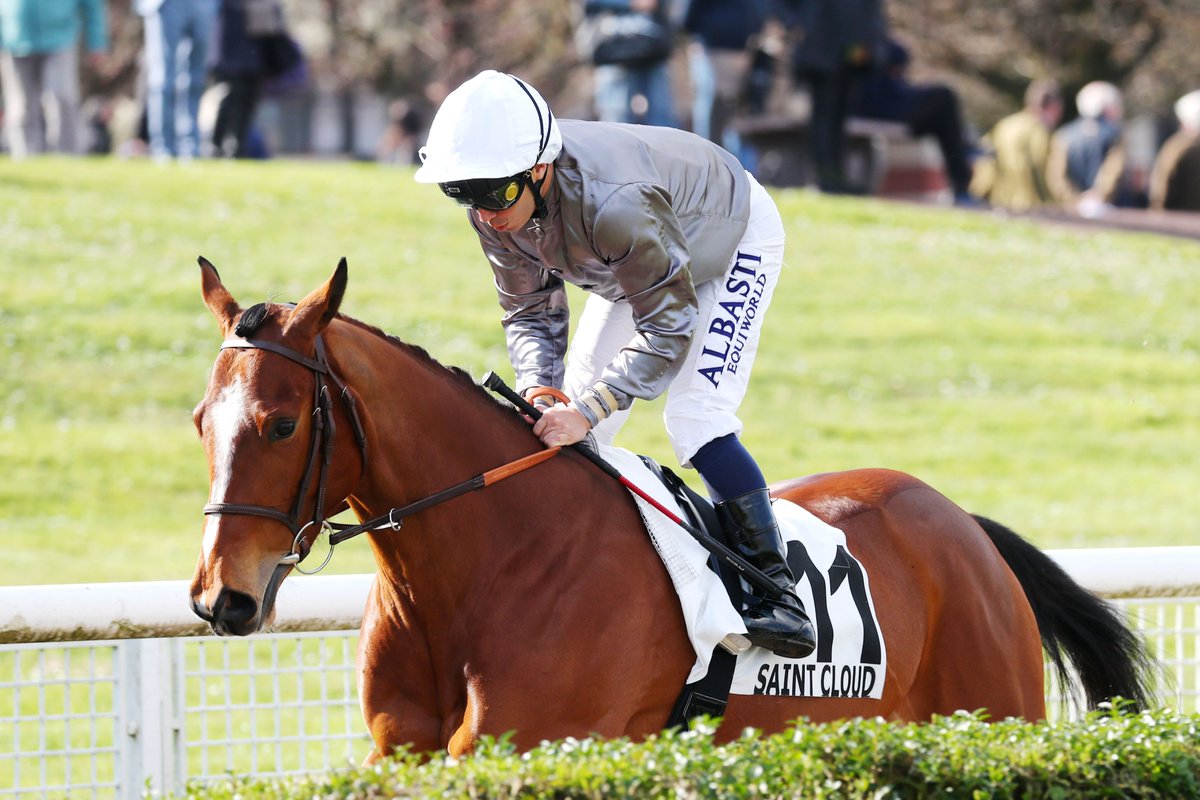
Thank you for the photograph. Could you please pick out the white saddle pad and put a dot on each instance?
(850, 659)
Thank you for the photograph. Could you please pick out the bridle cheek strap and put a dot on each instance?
(321, 446)
(320, 449)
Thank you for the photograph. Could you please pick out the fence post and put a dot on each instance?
(150, 718)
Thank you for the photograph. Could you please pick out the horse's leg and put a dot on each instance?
(397, 689)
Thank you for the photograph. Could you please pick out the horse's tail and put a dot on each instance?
(1078, 629)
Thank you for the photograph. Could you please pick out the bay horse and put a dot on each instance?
(538, 605)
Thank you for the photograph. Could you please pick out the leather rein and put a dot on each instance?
(320, 455)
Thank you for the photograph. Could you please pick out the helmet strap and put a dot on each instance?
(539, 203)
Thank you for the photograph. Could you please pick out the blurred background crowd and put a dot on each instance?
(1021, 105)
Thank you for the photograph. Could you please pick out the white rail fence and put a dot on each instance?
(114, 690)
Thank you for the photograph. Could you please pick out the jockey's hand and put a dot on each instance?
(561, 426)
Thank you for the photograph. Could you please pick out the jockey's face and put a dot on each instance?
(515, 217)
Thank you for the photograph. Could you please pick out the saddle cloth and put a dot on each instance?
(850, 659)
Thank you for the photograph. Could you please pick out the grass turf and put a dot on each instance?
(1044, 376)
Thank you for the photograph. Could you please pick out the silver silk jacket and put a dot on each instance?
(635, 213)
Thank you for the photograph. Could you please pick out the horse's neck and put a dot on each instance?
(427, 420)
(484, 563)
(429, 429)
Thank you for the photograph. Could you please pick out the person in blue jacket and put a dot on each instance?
(633, 89)
(837, 44)
(39, 61)
(927, 109)
(719, 60)
(173, 29)
(237, 60)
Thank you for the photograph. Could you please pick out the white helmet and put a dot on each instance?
(492, 126)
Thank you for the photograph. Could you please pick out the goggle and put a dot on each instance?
(491, 194)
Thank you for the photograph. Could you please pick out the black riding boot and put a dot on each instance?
(780, 625)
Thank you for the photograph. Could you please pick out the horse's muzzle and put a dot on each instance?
(233, 613)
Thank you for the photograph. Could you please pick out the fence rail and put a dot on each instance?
(109, 690)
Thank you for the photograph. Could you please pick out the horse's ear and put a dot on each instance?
(218, 299)
(317, 310)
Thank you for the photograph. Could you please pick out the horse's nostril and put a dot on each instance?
(234, 609)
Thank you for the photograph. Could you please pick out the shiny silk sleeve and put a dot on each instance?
(639, 237)
(536, 315)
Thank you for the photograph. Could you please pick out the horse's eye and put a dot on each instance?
(282, 429)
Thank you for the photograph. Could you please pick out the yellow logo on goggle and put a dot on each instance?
(510, 193)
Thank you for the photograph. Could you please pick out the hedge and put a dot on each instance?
(1110, 753)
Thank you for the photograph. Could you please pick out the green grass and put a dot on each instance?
(1043, 376)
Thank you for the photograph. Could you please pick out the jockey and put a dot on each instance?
(679, 249)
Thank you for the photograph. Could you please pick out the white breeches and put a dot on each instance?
(708, 387)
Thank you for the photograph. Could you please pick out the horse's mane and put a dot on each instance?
(253, 318)
(422, 355)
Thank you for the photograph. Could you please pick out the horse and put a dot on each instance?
(537, 607)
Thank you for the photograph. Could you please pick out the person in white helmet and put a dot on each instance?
(680, 250)
(1086, 167)
(1175, 176)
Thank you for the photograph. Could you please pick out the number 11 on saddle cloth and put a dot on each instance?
(850, 659)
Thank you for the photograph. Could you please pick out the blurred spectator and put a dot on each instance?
(1175, 178)
(1087, 159)
(97, 113)
(837, 43)
(287, 67)
(1014, 174)
(403, 135)
(719, 60)
(929, 109)
(126, 116)
(39, 67)
(249, 45)
(766, 51)
(173, 29)
(630, 43)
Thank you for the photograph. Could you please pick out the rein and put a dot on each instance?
(321, 444)
(394, 518)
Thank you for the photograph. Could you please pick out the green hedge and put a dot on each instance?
(1109, 754)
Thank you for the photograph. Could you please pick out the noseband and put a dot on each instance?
(320, 452)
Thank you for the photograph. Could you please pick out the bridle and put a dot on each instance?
(320, 455)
